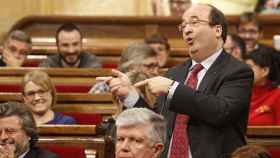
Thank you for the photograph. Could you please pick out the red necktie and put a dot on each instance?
(180, 142)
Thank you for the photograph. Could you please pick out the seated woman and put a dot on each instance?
(39, 95)
(265, 101)
(137, 57)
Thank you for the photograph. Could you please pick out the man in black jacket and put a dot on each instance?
(216, 107)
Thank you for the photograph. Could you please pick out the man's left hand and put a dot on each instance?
(157, 85)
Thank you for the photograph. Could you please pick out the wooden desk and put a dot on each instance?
(82, 139)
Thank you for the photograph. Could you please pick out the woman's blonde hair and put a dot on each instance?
(41, 79)
(134, 55)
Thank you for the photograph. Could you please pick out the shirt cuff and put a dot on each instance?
(131, 99)
(171, 91)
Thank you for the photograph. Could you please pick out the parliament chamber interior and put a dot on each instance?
(105, 36)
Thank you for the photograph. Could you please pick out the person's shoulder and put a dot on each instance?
(36, 152)
(266, 48)
(51, 61)
(234, 64)
(64, 119)
(89, 60)
(180, 66)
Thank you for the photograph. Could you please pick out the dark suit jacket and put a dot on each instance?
(218, 110)
(36, 152)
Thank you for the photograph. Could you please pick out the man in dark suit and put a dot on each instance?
(213, 101)
(18, 133)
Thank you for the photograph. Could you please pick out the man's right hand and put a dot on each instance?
(7, 151)
(10, 60)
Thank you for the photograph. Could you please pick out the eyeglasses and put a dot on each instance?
(248, 31)
(12, 49)
(192, 23)
(9, 131)
(39, 92)
(151, 65)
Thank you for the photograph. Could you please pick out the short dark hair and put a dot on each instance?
(19, 35)
(265, 58)
(157, 38)
(216, 17)
(22, 111)
(68, 27)
(249, 17)
(239, 42)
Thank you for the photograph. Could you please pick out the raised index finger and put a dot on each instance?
(118, 73)
(141, 83)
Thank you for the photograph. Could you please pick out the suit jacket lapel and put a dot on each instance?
(212, 72)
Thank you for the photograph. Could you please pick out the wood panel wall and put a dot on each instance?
(13, 10)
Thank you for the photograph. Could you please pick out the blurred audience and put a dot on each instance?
(231, 7)
(69, 42)
(141, 133)
(160, 44)
(268, 6)
(174, 8)
(251, 151)
(18, 133)
(251, 31)
(15, 49)
(136, 58)
(39, 95)
(265, 100)
(235, 46)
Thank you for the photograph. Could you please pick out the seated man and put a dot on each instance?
(251, 31)
(235, 46)
(15, 49)
(18, 133)
(141, 133)
(69, 40)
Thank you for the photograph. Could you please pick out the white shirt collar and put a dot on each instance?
(206, 63)
(23, 154)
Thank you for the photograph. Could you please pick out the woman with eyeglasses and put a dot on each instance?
(39, 95)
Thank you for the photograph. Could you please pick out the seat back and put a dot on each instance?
(74, 141)
(85, 108)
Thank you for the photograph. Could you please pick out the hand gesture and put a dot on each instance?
(157, 85)
(11, 60)
(119, 85)
(7, 150)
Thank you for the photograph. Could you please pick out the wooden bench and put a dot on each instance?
(65, 79)
(109, 57)
(85, 108)
(267, 136)
(75, 141)
(117, 32)
(106, 37)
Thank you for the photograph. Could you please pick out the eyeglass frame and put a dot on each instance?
(192, 23)
(39, 92)
(10, 131)
(12, 49)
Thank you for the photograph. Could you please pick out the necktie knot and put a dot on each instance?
(196, 68)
